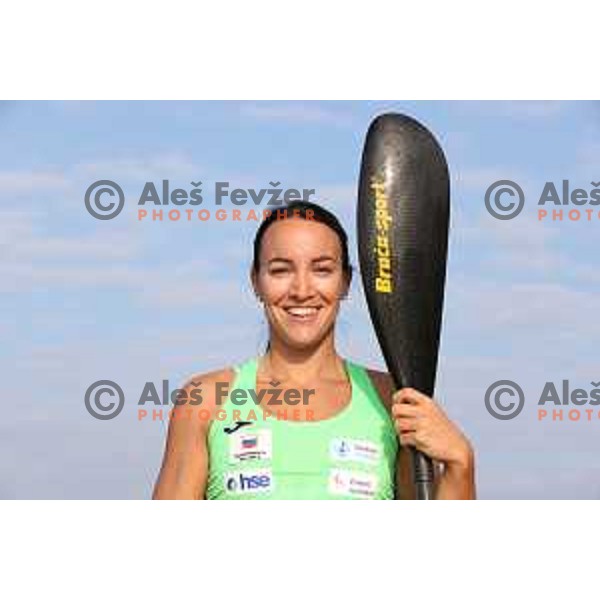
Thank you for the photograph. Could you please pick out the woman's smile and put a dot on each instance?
(303, 314)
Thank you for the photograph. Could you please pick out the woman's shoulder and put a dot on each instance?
(224, 374)
(382, 381)
(213, 376)
(206, 384)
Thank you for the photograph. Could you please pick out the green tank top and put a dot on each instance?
(351, 455)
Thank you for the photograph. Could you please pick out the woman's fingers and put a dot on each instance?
(406, 395)
(410, 396)
(404, 425)
(405, 410)
(408, 439)
(414, 415)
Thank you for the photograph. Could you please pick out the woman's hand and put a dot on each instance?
(422, 423)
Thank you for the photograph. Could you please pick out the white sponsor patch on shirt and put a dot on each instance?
(352, 483)
(248, 482)
(250, 445)
(346, 449)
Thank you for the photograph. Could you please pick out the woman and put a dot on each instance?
(344, 431)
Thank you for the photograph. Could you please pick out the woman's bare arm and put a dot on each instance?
(184, 471)
(451, 481)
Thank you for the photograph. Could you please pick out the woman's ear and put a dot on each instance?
(254, 282)
(347, 284)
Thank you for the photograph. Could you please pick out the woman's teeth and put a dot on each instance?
(303, 312)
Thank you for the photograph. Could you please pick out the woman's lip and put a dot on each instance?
(303, 317)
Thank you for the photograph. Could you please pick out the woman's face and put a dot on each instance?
(300, 280)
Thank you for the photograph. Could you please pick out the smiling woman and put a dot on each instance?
(349, 447)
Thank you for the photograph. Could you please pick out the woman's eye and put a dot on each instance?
(279, 271)
(324, 270)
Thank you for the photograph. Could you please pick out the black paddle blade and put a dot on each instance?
(403, 219)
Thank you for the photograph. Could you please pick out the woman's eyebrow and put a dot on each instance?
(324, 257)
(321, 258)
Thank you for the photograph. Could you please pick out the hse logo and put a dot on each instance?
(249, 482)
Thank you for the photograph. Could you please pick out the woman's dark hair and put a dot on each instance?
(310, 212)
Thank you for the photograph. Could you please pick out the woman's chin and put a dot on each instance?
(303, 342)
(302, 337)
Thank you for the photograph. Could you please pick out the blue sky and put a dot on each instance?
(85, 300)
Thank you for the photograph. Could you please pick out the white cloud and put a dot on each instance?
(32, 182)
(337, 196)
(165, 292)
(477, 178)
(532, 108)
(518, 109)
(301, 113)
(588, 165)
(521, 245)
(117, 246)
(526, 314)
(15, 225)
(123, 170)
(587, 274)
(152, 168)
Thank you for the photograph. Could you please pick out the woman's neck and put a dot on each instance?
(309, 364)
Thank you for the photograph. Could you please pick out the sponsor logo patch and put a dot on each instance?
(249, 482)
(352, 483)
(364, 451)
(250, 445)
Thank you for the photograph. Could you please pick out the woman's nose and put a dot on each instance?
(301, 285)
